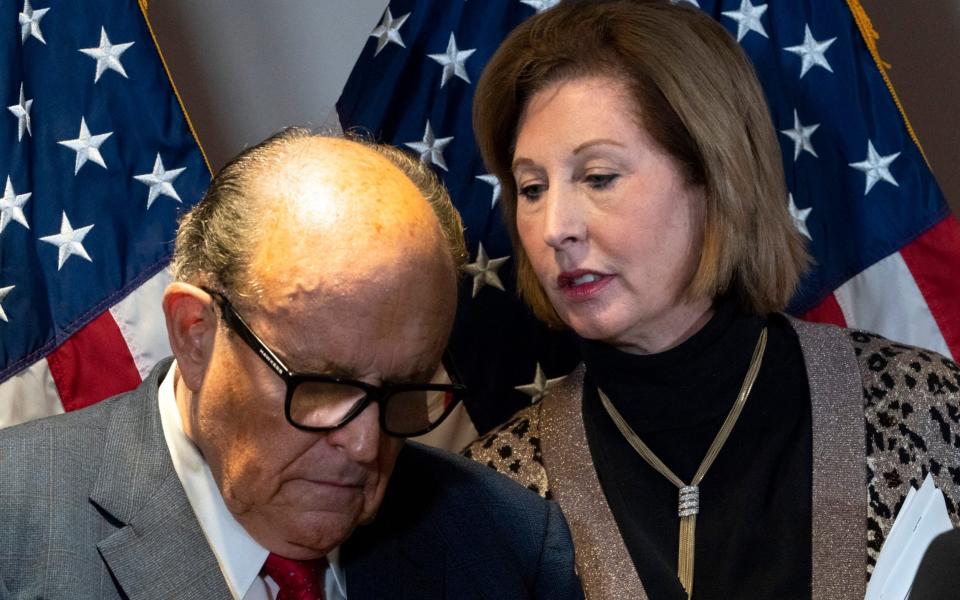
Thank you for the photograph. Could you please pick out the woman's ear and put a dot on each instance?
(191, 327)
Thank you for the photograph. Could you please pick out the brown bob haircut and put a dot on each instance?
(696, 94)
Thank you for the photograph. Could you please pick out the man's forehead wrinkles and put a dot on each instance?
(346, 266)
(376, 334)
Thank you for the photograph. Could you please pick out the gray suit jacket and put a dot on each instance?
(91, 507)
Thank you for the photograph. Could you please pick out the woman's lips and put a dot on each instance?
(582, 284)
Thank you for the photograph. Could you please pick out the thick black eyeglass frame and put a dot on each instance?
(373, 393)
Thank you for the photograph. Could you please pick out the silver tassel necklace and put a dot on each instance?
(689, 501)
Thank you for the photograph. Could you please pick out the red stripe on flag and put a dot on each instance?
(934, 260)
(827, 311)
(93, 364)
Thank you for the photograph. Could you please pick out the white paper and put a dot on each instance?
(894, 542)
(922, 517)
(904, 509)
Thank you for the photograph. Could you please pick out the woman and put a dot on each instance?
(643, 188)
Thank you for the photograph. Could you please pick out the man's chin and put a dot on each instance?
(303, 536)
(308, 542)
(298, 552)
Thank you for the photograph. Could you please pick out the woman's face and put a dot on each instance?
(609, 225)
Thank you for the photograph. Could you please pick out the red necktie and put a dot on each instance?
(298, 579)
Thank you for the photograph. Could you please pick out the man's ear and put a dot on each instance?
(191, 327)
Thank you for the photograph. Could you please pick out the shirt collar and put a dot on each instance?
(240, 556)
(339, 580)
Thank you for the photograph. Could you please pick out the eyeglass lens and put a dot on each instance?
(323, 404)
(415, 410)
(326, 404)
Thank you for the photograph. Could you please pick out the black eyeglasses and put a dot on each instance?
(318, 402)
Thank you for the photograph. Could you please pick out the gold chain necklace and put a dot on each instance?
(689, 504)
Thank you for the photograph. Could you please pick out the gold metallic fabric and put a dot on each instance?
(603, 562)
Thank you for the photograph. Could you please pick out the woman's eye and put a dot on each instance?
(531, 191)
(599, 181)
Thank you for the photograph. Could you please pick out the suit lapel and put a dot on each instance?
(157, 549)
(391, 569)
(402, 554)
(604, 564)
(419, 578)
(421, 561)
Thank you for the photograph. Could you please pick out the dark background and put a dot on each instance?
(921, 40)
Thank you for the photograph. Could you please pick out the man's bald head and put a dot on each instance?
(300, 189)
(334, 262)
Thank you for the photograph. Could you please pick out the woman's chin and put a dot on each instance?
(592, 328)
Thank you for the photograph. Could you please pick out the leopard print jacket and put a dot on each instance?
(912, 415)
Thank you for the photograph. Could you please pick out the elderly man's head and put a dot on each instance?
(311, 260)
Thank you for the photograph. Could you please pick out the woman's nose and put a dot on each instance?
(564, 221)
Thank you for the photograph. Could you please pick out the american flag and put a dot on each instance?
(97, 160)
(886, 247)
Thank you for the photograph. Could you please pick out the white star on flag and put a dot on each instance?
(388, 31)
(540, 5)
(68, 241)
(22, 111)
(538, 388)
(87, 146)
(876, 167)
(3, 294)
(29, 20)
(11, 206)
(800, 134)
(484, 270)
(799, 216)
(811, 51)
(748, 18)
(453, 61)
(492, 181)
(160, 181)
(107, 55)
(431, 147)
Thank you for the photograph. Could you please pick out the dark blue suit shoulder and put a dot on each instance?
(455, 478)
(462, 528)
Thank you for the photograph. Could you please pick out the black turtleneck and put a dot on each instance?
(753, 530)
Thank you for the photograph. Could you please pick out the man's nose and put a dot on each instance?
(564, 221)
(360, 438)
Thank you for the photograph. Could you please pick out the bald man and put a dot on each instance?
(315, 287)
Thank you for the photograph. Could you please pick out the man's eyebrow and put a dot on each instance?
(338, 370)
(417, 378)
(322, 367)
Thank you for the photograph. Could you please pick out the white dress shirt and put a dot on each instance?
(239, 555)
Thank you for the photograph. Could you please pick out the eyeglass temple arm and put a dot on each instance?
(267, 355)
(451, 367)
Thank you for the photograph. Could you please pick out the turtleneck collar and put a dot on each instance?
(691, 383)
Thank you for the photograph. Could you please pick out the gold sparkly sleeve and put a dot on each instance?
(514, 450)
(912, 413)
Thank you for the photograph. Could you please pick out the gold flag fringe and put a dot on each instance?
(870, 37)
(173, 85)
